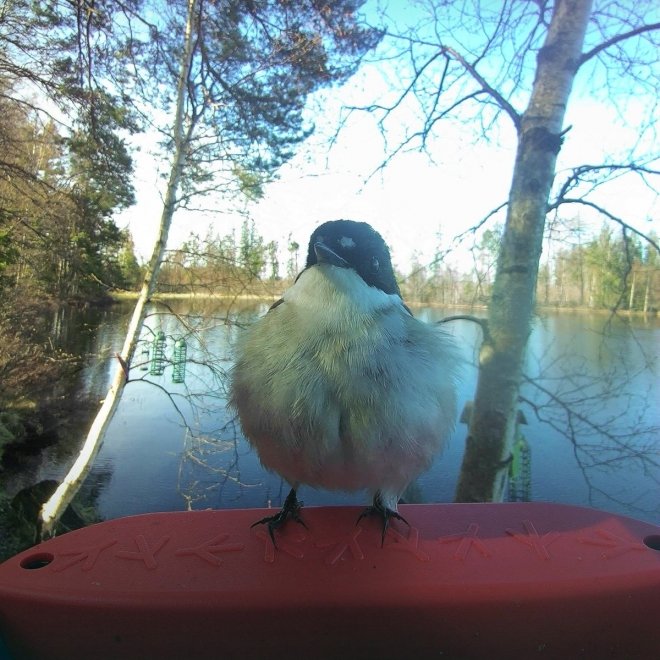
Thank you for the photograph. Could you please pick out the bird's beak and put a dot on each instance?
(326, 256)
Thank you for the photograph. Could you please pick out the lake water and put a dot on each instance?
(591, 410)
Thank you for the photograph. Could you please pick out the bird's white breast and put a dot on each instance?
(339, 387)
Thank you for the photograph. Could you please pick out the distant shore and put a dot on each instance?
(265, 296)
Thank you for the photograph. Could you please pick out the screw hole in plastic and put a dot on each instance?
(653, 542)
(40, 560)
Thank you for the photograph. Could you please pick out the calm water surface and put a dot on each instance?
(591, 411)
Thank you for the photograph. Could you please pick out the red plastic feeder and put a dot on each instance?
(464, 580)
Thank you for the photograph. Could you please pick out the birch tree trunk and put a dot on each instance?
(631, 299)
(492, 424)
(52, 510)
(647, 291)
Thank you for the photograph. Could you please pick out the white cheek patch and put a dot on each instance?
(348, 291)
(346, 242)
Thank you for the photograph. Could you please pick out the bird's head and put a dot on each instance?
(355, 245)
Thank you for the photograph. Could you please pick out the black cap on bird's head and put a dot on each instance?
(356, 245)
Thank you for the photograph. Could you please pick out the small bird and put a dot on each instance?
(338, 386)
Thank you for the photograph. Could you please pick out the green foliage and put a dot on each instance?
(100, 163)
(222, 264)
(271, 250)
(250, 183)
(57, 234)
(610, 271)
(292, 266)
(61, 183)
(129, 270)
(607, 271)
(252, 251)
(253, 67)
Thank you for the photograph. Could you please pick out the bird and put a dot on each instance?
(338, 386)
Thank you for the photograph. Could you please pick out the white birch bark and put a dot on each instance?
(52, 510)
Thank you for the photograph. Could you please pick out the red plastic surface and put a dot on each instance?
(465, 580)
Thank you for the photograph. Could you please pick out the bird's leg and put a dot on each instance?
(381, 509)
(290, 509)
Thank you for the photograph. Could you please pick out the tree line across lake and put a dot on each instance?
(607, 271)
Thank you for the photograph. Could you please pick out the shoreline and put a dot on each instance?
(122, 296)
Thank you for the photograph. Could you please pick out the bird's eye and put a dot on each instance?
(374, 265)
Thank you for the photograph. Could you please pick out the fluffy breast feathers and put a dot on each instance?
(340, 387)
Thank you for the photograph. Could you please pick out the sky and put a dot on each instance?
(415, 202)
(408, 202)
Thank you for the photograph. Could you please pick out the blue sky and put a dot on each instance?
(415, 196)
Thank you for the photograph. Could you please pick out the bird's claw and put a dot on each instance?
(290, 509)
(380, 509)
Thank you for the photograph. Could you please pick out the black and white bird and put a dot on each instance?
(338, 386)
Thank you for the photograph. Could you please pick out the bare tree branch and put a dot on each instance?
(486, 87)
(578, 175)
(623, 36)
(607, 214)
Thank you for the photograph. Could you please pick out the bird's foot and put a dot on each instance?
(379, 508)
(290, 509)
